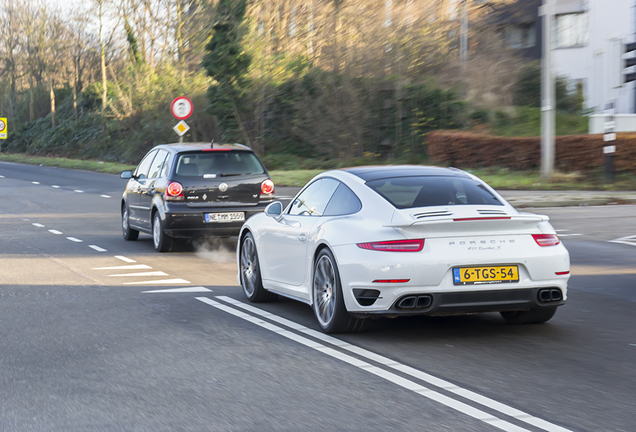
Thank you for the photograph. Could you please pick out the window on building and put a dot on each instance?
(520, 35)
(571, 30)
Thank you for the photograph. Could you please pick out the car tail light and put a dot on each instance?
(546, 239)
(267, 187)
(394, 245)
(174, 192)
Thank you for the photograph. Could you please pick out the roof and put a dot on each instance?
(180, 147)
(368, 173)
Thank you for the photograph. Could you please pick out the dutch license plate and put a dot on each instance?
(225, 217)
(485, 275)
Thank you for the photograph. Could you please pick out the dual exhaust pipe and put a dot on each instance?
(415, 302)
(548, 295)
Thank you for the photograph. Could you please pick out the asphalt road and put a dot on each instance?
(91, 341)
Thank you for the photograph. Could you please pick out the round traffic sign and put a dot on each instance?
(181, 108)
(2, 125)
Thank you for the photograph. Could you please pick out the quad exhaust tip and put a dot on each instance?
(548, 295)
(415, 302)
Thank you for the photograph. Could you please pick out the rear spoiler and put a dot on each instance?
(524, 219)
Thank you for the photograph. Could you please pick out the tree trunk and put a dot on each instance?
(31, 100)
(52, 96)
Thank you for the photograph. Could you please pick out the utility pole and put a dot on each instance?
(463, 39)
(548, 99)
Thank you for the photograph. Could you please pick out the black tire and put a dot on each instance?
(250, 272)
(162, 241)
(532, 316)
(128, 233)
(328, 303)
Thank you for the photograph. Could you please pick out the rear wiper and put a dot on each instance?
(230, 174)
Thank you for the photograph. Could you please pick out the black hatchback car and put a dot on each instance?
(193, 190)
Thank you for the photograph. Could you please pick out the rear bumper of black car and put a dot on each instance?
(184, 222)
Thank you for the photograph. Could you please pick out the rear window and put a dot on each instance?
(425, 191)
(212, 164)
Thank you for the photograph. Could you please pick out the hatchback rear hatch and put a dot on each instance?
(222, 178)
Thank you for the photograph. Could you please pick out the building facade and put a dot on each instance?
(589, 37)
(589, 40)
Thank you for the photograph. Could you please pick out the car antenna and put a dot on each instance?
(212, 143)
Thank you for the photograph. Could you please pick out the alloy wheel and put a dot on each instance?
(325, 290)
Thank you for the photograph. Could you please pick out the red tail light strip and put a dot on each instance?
(394, 245)
(391, 280)
(481, 218)
(562, 273)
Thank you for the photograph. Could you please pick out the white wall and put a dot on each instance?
(599, 63)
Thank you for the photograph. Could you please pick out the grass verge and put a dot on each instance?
(499, 178)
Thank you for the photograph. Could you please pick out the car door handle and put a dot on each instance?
(302, 237)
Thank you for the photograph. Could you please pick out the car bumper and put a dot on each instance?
(376, 283)
(185, 222)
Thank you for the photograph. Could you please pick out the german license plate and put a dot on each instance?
(485, 275)
(225, 217)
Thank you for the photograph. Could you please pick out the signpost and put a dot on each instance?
(3, 128)
(181, 108)
(609, 137)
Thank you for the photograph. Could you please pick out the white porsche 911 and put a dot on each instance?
(402, 240)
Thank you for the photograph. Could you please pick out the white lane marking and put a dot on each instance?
(569, 235)
(158, 282)
(39, 225)
(438, 382)
(73, 239)
(55, 186)
(179, 290)
(124, 259)
(389, 376)
(78, 191)
(36, 183)
(128, 267)
(633, 344)
(105, 196)
(1, 176)
(629, 240)
(155, 273)
(56, 232)
(97, 248)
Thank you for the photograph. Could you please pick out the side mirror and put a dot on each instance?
(275, 210)
(126, 175)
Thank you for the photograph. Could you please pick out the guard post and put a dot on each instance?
(609, 139)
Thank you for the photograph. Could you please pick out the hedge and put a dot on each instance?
(573, 152)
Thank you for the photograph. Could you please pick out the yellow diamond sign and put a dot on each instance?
(181, 128)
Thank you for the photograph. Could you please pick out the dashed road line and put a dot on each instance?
(36, 183)
(105, 196)
(448, 386)
(179, 290)
(157, 282)
(126, 267)
(1, 176)
(73, 239)
(628, 240)
(124, 259)
(56, 232)
(39, 225)
(155, 273)
(368, 367)
(55, 186)
(78, 191)
(97, 248)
